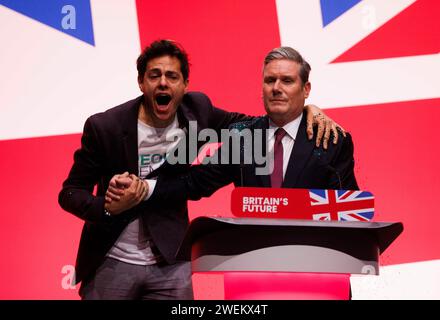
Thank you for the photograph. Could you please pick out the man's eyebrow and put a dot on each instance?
(153, 70)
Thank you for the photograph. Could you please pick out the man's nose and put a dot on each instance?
(276, 87)
(163, 81)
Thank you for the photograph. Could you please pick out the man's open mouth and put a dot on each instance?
(163, 99)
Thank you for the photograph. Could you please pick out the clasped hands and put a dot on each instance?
(124, 192)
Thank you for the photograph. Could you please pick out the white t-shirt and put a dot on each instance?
(134, 245)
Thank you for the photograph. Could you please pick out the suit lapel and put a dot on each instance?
(302, 150)
(130, 138)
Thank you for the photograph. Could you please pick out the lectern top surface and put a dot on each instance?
(384, 233)
(298, 222)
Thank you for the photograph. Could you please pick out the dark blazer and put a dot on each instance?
(108, 147)
(309, 167)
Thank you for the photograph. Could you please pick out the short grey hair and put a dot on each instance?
(290, 54)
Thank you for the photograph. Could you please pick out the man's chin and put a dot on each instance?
(164, 116)
(163, 111)
(277, 110)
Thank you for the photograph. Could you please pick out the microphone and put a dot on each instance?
(241, 164)
(241, 174)
(333, 170)
(239, 127)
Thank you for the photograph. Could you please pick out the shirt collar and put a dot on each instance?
(291, 127)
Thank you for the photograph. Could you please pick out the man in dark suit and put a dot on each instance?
(297, 162)
(127, 246)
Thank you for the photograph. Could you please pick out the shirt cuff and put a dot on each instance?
(151, 185)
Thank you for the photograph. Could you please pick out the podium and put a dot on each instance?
(275, 246)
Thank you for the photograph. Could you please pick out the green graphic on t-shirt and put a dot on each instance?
(147, 159)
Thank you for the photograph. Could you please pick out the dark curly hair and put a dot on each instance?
(161, 48)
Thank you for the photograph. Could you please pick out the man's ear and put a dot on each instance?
(186, 85)
(307, 88)
(141, 84)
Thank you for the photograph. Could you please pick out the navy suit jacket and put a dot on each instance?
(309, 167)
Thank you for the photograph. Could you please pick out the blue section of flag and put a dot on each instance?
(73, 17)
(319, 192)
(363, 194)
(340, 192)
(368, 215)
(332, 9)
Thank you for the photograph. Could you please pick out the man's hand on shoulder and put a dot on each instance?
(326, 126)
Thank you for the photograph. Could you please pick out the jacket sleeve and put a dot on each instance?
(221, 119)
(198, 182)
(343, 164)
(76, 195)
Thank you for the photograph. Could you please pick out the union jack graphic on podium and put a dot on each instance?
(342, 205)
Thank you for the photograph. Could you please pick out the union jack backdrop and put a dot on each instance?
(374, 69)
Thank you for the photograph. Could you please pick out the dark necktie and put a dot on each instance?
(276, 177)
